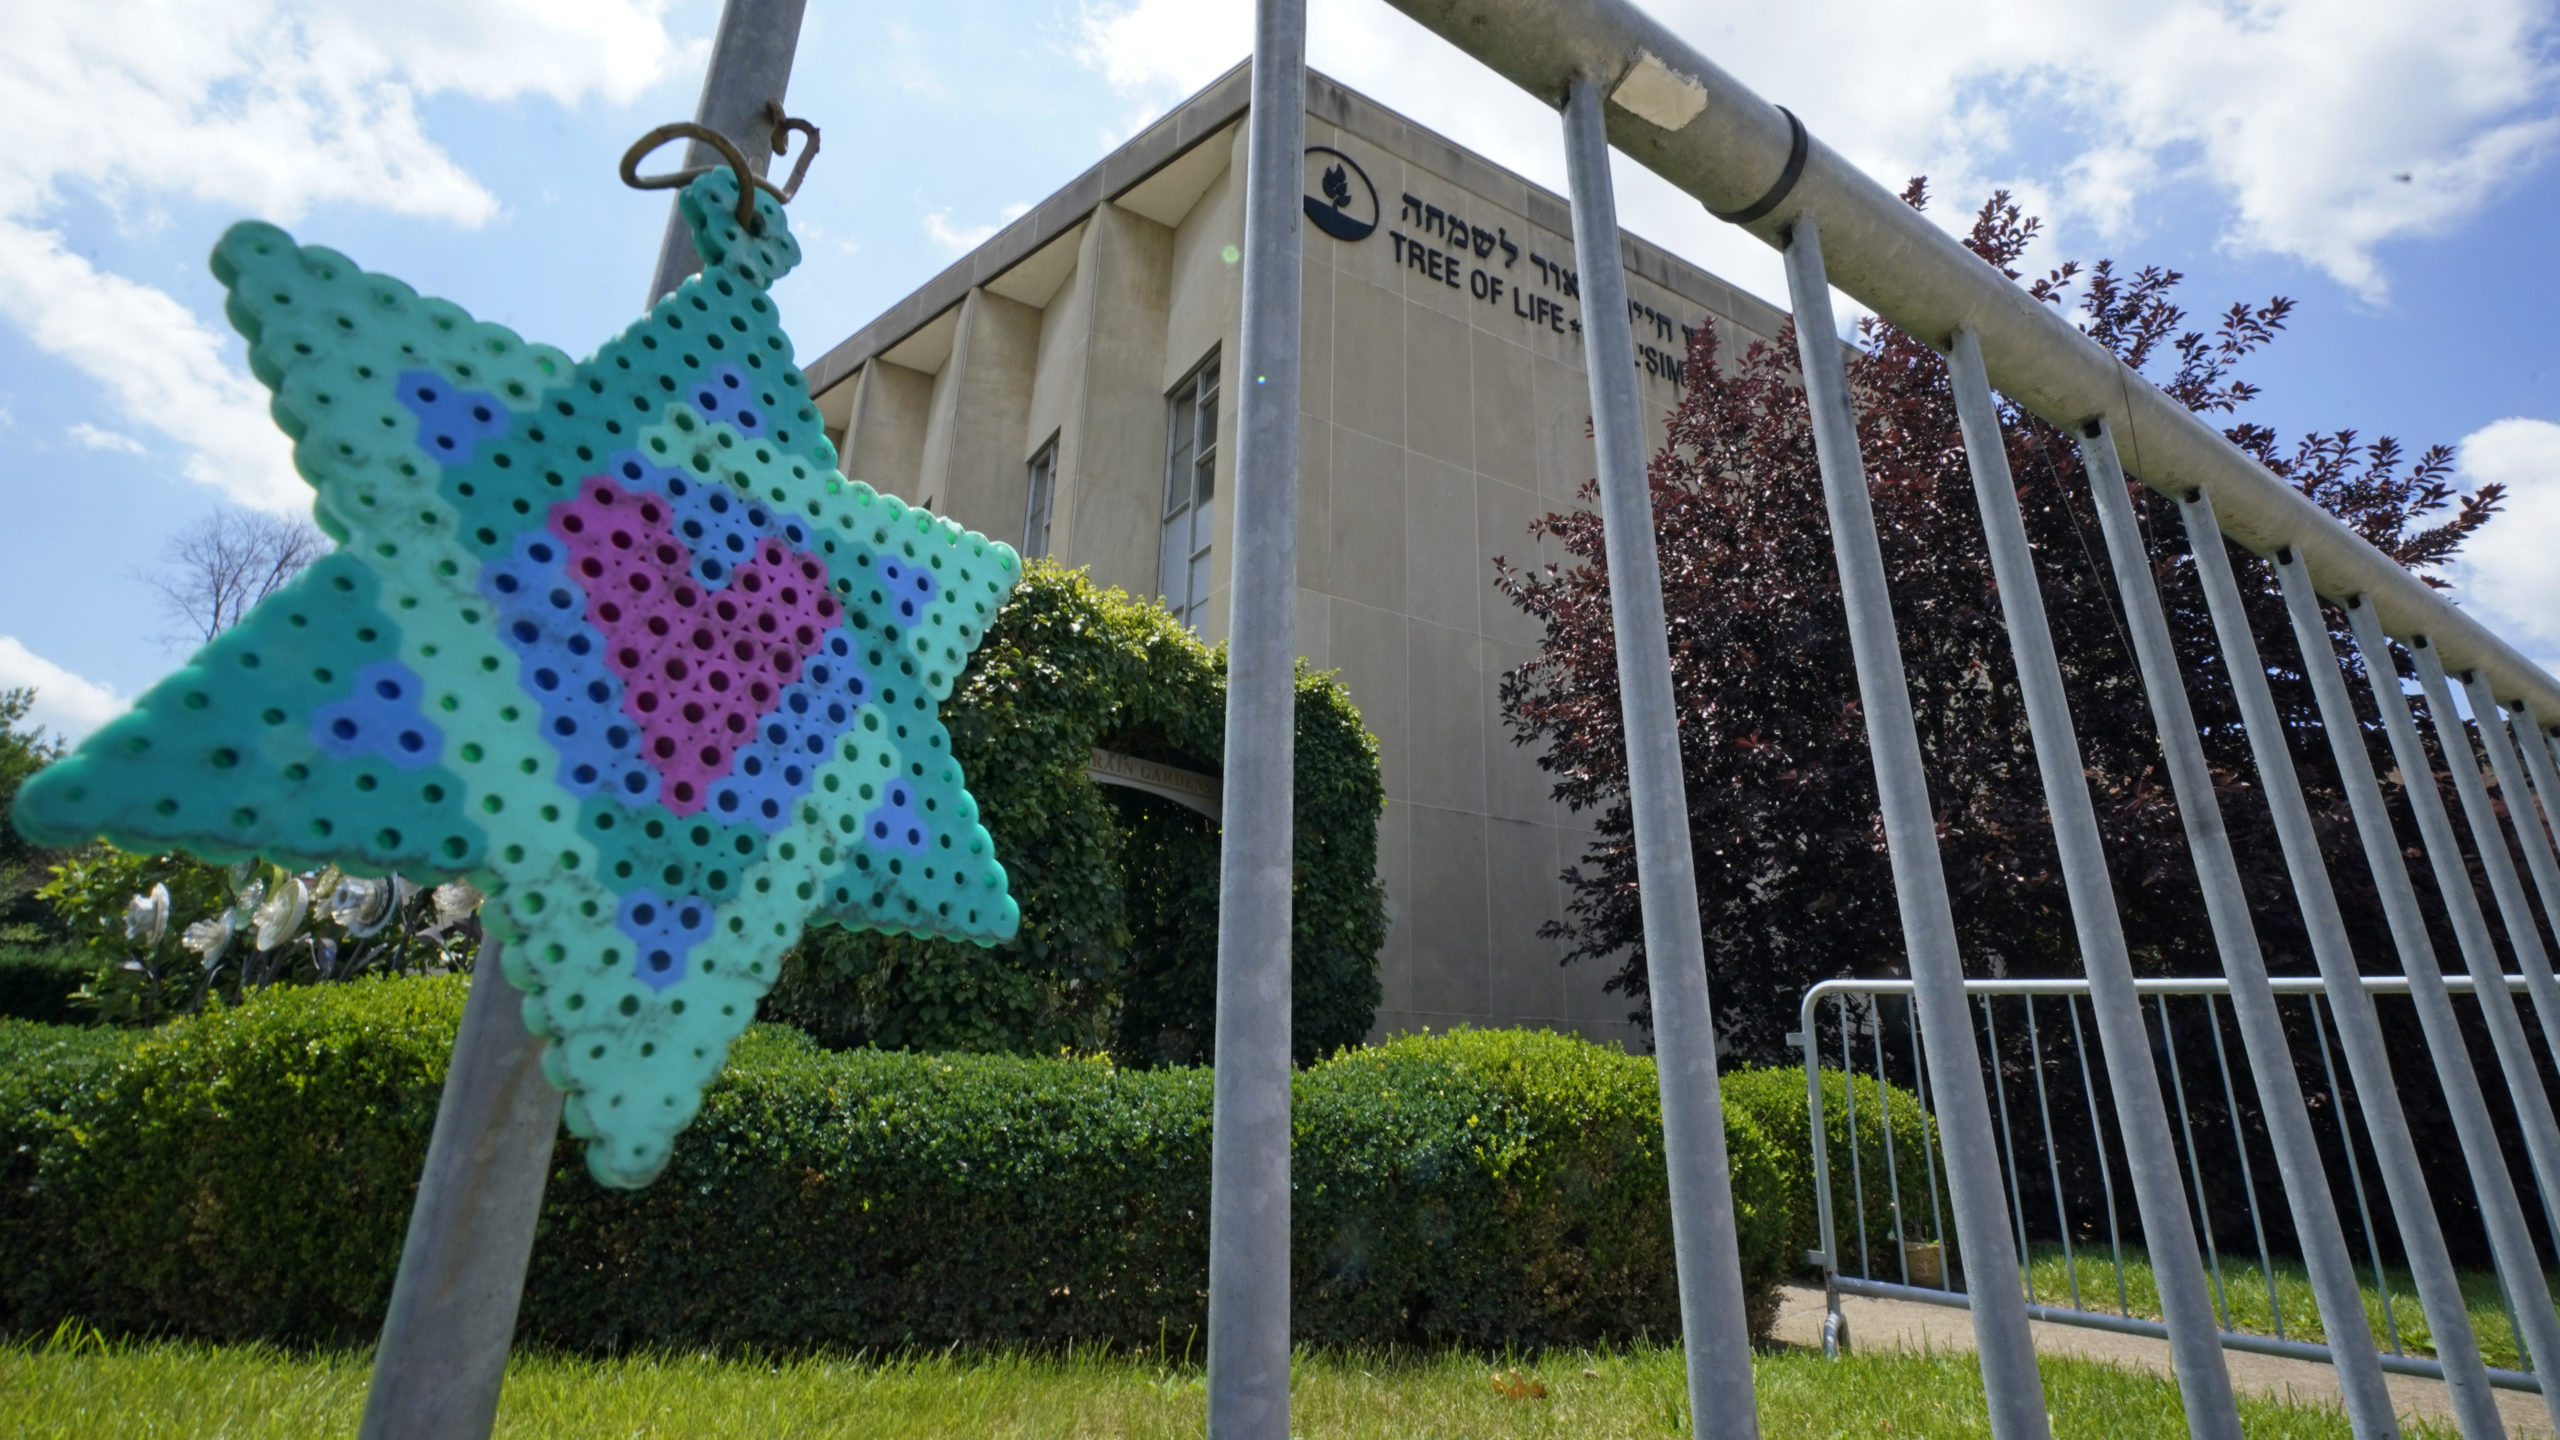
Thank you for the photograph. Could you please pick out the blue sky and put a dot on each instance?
(468, 146)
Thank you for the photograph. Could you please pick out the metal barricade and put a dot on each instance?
(1864, 1055)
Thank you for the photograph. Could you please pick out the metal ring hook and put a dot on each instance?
(748, 181)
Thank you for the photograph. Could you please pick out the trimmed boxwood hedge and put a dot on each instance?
(247, 1174)
(1775, 1100)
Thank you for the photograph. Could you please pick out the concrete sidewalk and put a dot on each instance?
(1879, 1325)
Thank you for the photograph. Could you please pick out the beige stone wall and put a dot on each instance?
(1444, 408)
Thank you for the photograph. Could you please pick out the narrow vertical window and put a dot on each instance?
(1044, 495)
(1190, 470)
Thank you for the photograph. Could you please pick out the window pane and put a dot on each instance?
(1177, 480)
(1044, 487)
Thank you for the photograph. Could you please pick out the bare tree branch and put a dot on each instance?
(215, 569)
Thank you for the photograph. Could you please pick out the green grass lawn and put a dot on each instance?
(2244, 1291)
(90, 1389)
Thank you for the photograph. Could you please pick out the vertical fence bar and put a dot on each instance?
(2195, 1163)
(2013, 1390)
(2355, 1174)
(2462, 903)
(1892, 1170)
(2235, 937)
(2052, 1158)
(2491, 839)
(2546, 781)
(2204, 1381)
(2248, 1176)
(2360, 1033)
(1857, 1171)
(2106, 1170)
(2315, 1209)
(1249, 1125)
(1714, 1329)
(1929, 1152)
(1809, 1039)
(2008, 1143)
(2520, 812)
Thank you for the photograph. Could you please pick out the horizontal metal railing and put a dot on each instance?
(1733, 153)
(1859, 1027)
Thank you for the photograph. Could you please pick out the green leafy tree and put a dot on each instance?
(1793, 878)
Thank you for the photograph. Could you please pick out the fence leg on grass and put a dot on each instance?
(1714, 1327)
(453, 1307)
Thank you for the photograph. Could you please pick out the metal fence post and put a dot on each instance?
(2325, 1255)
(2204, 1381)
(443, 1356)
(2491, 840)
(2546, 782)
(1714, 1327)
(1249, 1146)
(2464, 903)
(2519, 797)
(2501, 1206)
(2010, 1383)
(2235, 937)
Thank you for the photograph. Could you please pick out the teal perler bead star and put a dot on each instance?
(611, 640)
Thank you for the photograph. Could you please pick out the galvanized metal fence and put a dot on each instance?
(1621, 79)
(2062, 1160)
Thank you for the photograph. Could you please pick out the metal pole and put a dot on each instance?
(2248, 1175)
(2106, 1170)
(750, 69)
(2523, 932)
(2204, 1380)
(2236, 940)
(2355, 1173)
(2520, 812)
(2515, 1056)
(2010, 1384)
(2053, 1161)
(453, 1306)
(1713, 1325)
(2501, 1209)
(1249, 1126)
(2315, 1209)
(2546, 783)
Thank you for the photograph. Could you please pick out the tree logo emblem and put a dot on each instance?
(1338, 207)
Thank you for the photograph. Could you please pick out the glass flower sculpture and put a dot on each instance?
(611, 640)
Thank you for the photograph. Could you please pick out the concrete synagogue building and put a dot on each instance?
(1059, 388)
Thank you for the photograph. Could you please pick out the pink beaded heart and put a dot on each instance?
(699, 667)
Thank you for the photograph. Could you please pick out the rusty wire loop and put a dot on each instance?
(748, 181)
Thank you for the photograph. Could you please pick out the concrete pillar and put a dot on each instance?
(884, 442)
(974, 464)
(1111, 457)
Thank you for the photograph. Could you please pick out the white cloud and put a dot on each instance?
(2505, 574)
(64, 701)
(2302, 114)
(90, 437)
(271, 107)
(961, 239)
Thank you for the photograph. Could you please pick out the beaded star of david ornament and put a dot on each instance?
(611, 639)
